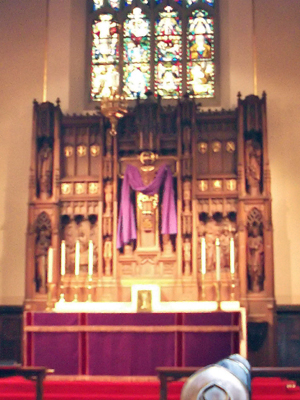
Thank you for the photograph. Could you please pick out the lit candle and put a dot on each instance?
(232, 260)
(218, 260)
(50, 265)
(203, 256)
(77, 257)
(91, 256)
(63, 258)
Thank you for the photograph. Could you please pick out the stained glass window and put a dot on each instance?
(163, 46)
(136, 54)
(105, 57)
(200, 51)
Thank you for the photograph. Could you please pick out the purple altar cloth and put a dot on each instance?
(132, 179)
(57, 350)
(131, 353)
(127, 344)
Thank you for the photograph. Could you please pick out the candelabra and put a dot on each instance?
(113, 108)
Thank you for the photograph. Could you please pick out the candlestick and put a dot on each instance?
(50, 290)
(218, 260)
(77, 257)
(151, 141)
(232, 259)
(63, 258)
(50, 265)
(203, 255)
(91, 256)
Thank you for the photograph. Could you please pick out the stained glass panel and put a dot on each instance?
(200, 36)
(136, 54)
(209, 2)
(114, 4)
(105, 40)
(168, 83)
(105, 81)
(97, 4)
(105, 56)
(136, 80)
(200, 53)
(168, 54)
(200, 79)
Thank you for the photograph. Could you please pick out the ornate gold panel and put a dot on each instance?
(66, 188)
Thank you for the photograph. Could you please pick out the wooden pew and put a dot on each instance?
(171, 374)
(36, 374)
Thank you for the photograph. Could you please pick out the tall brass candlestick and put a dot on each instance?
(75, 299)
(232, 288)
(203, 296)
(77, 257)
(50, 289)
(218, 260)
(63, 258)
(90, 287)
(218, 294)
(203, 256)
(50, 265)
(91, 258)
(232, 258)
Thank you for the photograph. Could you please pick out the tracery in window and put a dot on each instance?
(166, 46)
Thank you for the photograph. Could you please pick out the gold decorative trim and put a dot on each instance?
(81, 150)
(79, 188)
(202, 147)
(68, 151)
(231, 184)
(203, 185)
(45, 74)
(93, 187)
(101, 378)
(132, 328)
(217, 184)
(145, 198)
(254, 45)
(216, 146)
(95, 150)
(148, 157)
(147, 168)
(230, 146)
(66, 188)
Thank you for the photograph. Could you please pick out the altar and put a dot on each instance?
(131, 344)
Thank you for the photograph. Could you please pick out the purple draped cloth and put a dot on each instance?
(132, 179)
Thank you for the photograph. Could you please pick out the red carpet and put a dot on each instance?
(20, 389)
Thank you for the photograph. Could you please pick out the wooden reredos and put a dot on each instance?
(221, 181)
